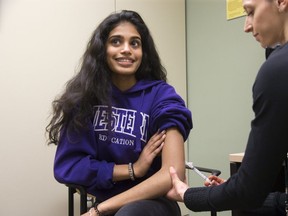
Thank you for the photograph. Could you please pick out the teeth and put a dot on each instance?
(124, 60)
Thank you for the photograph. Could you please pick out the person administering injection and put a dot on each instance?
(273, 204)
(267, 144)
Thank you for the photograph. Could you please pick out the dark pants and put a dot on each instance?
(154, 207)
(274, 205)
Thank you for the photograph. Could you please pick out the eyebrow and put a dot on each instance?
(121, 36)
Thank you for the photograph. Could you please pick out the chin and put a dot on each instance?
(264, 45)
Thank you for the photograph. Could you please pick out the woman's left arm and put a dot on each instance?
(159, 183)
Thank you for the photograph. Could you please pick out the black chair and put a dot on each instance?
(78, 189)
(85, 198)
(214, 172)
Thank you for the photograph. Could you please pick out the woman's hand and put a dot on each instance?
(150, 151)
(179, 188)
(214, 180)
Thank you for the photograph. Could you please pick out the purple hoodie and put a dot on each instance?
(87, 157)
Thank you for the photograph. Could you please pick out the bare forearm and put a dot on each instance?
(158, 184)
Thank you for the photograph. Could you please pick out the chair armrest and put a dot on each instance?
(77, 188)
(209, 170)
(203, 169)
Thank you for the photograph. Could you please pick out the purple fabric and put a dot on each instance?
(88, 157)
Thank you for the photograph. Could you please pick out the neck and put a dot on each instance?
(124, 83)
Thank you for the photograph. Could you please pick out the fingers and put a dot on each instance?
(158, 149)
(173, 174)
(157, 138)
(156, 142)
(151, 150)
(217, 179)
(207, 184)
(211, 183)
(179, 188)
(91, 212)
(214, 180)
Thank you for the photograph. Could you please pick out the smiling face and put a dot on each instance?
(124, 54)
(265, 21)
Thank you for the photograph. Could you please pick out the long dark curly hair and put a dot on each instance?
(92, 84)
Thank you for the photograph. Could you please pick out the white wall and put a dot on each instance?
(41, 43)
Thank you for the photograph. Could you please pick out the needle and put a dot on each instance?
(190, 166)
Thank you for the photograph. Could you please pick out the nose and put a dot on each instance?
(126, 48)
(248, 25)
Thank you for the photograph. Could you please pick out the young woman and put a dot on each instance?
(118, 125)
(267, 145)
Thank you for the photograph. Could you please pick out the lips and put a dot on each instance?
(125, 62)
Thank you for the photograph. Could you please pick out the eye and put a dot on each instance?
(250, 12)
(135, 42)
(115, 41)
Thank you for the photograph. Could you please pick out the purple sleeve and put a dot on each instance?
(169, 110)
(75, 161)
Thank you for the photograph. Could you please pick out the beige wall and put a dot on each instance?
(166, 20)
(40, 45)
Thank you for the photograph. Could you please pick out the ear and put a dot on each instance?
(282, 5)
